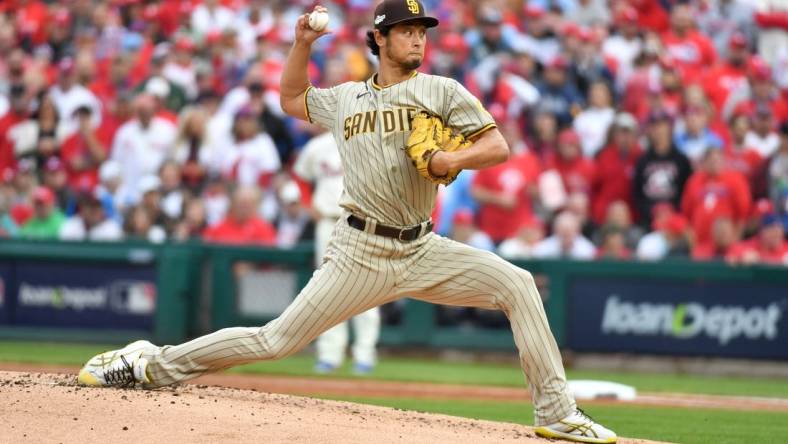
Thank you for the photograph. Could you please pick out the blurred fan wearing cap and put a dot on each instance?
(692, 51)
(68, 96)
(181, 69)
(150, 189)
(55, 179)
(763, 90)
(47, 217)
(256, 95)
(729, 75)
(464, 230)
(762, 137)
(767, 247)
(713, 192)
(576, 171)
(163, 93)
(615, 168)
(489, 39)
(669, 239)
(738, 156)
(293, 222)
(252, 158)
(662, 171)
(90, 222)
(558, 95)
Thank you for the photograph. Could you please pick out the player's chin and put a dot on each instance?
(413, 62)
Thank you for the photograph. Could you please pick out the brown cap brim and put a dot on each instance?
(429, 22)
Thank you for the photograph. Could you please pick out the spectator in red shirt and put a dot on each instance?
(18, 112)
(728, 75)
(107, 86)
(83, 151)
(653, 16)
(713, 192)
(242, 225)
(692, 52)
(577, 172)
(738, 156)
(504, 194)
(768, 247)
(763, 92)
(724, 236)
(615, 167)
(31, 20)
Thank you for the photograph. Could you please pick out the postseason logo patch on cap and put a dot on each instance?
(379, 19)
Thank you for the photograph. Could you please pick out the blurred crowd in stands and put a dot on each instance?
(639, 129)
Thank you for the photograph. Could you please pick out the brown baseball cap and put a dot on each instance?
(391, 12)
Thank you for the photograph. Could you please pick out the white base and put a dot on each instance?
(588, 389)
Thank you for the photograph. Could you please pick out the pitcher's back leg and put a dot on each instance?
(451, 273)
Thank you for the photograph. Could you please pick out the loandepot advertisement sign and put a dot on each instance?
(722, 323)
(678, 317)
(113, 296)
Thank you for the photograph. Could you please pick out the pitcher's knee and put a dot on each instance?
(276, 345)
(282, 352)
(523, 292)
(526, 277)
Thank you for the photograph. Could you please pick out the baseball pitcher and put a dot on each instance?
(400, 134)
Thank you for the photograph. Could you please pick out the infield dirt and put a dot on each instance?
(51, 408)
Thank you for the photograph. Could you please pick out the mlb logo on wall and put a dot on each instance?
(132, 297)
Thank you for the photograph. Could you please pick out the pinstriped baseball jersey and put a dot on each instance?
(371, 125)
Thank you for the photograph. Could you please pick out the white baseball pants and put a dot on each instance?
(361, 271)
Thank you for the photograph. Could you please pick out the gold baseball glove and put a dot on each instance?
(428, 137)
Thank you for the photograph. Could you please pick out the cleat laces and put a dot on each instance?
(121, 376)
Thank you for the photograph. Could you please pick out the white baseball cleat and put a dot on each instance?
(117, 368)
(577, 427)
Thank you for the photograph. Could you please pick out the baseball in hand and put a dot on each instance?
(318, 20)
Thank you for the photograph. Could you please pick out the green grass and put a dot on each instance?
(689, 426)
(434, 371)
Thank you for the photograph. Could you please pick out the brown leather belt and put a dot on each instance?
(404, 234)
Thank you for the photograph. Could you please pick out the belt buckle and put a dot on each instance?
(399, 236)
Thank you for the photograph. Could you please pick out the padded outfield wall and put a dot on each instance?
(168, 293)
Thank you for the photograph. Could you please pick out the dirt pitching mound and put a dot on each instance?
(43, 408)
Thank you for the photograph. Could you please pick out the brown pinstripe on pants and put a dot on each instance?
(363, 270)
